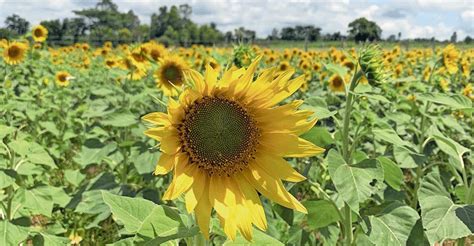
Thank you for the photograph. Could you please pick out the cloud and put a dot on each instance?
(419, 18)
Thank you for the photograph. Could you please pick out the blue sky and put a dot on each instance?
(415, 18)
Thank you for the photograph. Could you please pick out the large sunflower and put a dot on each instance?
(39, 33)
(14, 53)
(170, 75)
(226, 139)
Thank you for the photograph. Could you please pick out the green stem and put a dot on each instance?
(348, 225)
(347, 221)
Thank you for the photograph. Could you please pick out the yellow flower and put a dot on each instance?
(444, 84)
(450, 58)
(223, 145)
(284, 66)
(169, 77)
(467, 91)
(336, 83)
(14, 53)
(62, 78)
(39, 33)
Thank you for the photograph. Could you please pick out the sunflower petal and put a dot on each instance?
(182, 180)
(194, 194)
(272, 188)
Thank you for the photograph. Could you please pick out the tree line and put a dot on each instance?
(173, 26)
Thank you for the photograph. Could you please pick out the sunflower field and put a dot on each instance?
(143, 144)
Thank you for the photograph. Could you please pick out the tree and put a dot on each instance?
(392, 38)
(454, 37)
(468, 40)
(17, 25)
(362, 30)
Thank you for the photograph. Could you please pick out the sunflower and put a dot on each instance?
(450, 58)
(336, 83)
(14, 53)
(223, 145)
(170, 75)
(62, 78)
(39, 33)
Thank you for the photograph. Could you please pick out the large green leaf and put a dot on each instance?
(5, 179)
(152, 223)
(393, 175)
(11, 234)
(355, 183)
(33, 152)
(38, 201)
(393, 225)
(5, 131)
(321, 213)
(319, 136)
(259, 238)
(130, 211)
(431, 185)
(454, 101)
(450, 147)
(121, 119)
(94, 151)
(440, 219)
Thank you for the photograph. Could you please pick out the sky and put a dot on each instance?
(413, 18)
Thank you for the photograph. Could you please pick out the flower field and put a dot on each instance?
(144, 144)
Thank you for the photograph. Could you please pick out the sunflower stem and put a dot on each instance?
(347, 221)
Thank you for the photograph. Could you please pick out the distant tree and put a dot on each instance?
(274, 35)
(228, 37)
(362, 30)
(6, 34)
(242, 34)
(288, 33)
(468, 40)
(17, 25)
(185, 11)
(392, 38)
(55, 30)
(399, 36)
(454, 37)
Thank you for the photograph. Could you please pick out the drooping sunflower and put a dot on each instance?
(170, 75)
(14, 53)
(62, 78)
(336, 83)
(223, 145)
(39, 33)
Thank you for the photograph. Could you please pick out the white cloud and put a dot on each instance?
(408, 17)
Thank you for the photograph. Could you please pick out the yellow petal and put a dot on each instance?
(286, 91)
(183, 178)
(157, 118)
(194, 194)
(277, 167)
(288, 145)
(272, 188)
(165, 164)
(210, 78)
(223, 198)
(197, 78)
(253, 203)
(203, 211)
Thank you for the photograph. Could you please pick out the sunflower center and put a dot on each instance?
(337, 82)
(38, 32)
(14, 51)
(62, 77)
(219, 135)
(173, 74)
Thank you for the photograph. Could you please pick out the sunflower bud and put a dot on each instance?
(371, 64)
